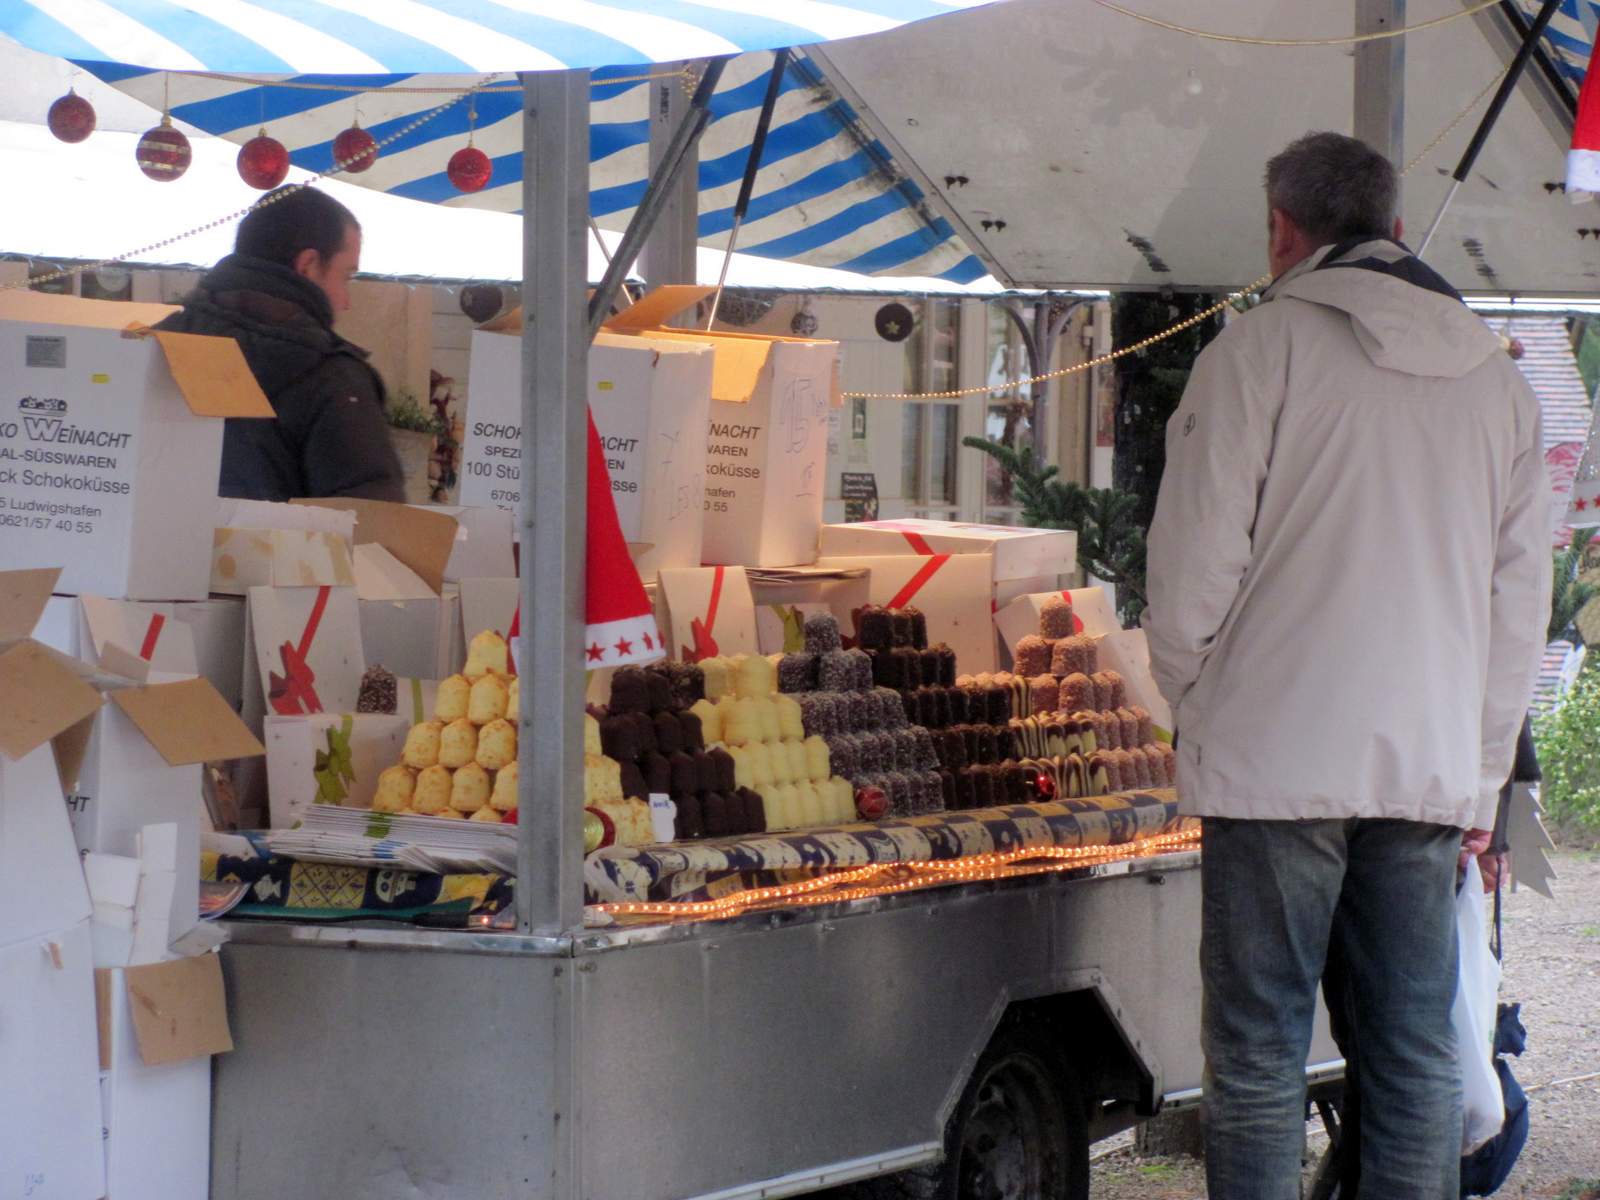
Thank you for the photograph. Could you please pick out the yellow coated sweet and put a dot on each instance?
(760, 758)
(767, 712)
(485, 653)
(497, 745)
(602, 779)
(504, 796)
(395, 787)
(458, 744)
(631, 818)
(788, 802)
(450, 702)
(591, 735)
(799, 765)
(422, 745)
(844, 800)
(741, 723)
(488, 700)
(719, 681)
(790, 724)
(513, 699)
(469, 790)
(710, 720)
(447, 811)
(432, 792)
(755, 677)
(782, 768)
(817, 766)
(486, 813)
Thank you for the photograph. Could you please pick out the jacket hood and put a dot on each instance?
(1403, 313)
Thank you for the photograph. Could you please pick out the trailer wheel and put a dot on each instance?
(1020, 1131)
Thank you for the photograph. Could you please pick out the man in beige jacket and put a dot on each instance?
(1349, 577)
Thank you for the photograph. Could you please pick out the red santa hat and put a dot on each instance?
(1583, 160)
(621, 624)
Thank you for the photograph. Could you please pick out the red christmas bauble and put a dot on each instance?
(163, 153)
(872, 803)
(263, 162)
(354, 150)
(469, 169)
(71, 118)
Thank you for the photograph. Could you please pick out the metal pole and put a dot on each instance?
(1380, 79)
(555, 165)
(758, 143)
(656, 194)
(669, 253)
(1481, 135)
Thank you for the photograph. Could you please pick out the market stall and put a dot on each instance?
(747, 921)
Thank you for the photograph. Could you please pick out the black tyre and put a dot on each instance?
(1020, 1131)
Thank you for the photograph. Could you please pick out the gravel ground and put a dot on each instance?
(1552, 967)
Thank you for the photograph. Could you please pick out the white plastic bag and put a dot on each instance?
(1483, 1106)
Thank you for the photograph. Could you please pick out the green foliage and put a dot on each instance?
(1568, 740)
(1110, 539)
(1589, 356)
(1569, 596)
(405, 413)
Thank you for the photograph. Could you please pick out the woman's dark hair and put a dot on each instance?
(293, 219)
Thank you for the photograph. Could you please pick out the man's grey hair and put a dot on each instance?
(1334, 188)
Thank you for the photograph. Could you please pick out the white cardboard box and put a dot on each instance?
(952, 589)
(155, 1076)
(485, 541)
(142, 768)
(1019, 553)
(1091, 611)
(650, 399)
(258, 544)
(299, 770)
(110, 445)
(50, 1133)
(41, 882)
(307, 643)
(709, 612)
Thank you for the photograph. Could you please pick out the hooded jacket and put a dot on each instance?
(1349, 567)
(330, 437)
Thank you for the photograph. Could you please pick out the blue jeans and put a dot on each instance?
(1276, 896)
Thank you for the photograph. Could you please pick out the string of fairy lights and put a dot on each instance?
(887, 879)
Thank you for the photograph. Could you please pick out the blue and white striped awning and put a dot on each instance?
(381, 37)
(828, 193)
(1569, 38)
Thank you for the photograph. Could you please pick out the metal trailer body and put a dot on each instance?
(762, 1056)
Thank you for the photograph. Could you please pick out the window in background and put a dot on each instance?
(1008, 415)
(931, 435)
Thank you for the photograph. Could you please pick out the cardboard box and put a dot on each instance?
(51, 1144)
(650, 400)
(485, 544)
(331, 758)
(767, 448)
(42, 886)
(142, 768)
(307, 643)
(1091, 611)
(113, 444)
(952, 589)
(260, 544)
(785, 596)
(709, 612)
(1018, 553)
(158, 1027)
